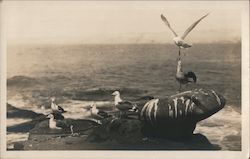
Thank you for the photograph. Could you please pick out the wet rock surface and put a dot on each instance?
(14, 112)
(113, 134)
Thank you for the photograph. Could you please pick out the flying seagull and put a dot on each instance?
(184, 77)
(123, 106)
(179, 40)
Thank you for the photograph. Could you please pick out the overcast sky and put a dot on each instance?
(119, 22)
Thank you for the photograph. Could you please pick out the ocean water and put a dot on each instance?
(80, 74)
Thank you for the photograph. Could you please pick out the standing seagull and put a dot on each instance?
(56, 108)
(123, 106)
(59, 124)
(179, 40)
(54, 124)
(184, 77)
(100, 114)
(96, 114)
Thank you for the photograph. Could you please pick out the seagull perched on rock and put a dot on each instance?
(184, 77)
(123, 106)
(55, 107)
(95, 114)
(59, 124)
(179, 40)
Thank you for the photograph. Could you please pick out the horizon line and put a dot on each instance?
(78, 43)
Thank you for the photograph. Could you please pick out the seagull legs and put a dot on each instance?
(71, 129)
(122, 114)
(180, 88)
(179, 57)
(119, 115)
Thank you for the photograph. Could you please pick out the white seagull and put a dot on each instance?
(55, 107)
(179, 40)
(58, 124)
(95, 114)
(123, 106)
(184, 77)
(52, 122)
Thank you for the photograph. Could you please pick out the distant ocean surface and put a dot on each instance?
(74, 73)
(136, 69)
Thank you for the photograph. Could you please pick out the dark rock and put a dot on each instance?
(200, 142)
(154, 129)
(113, 134)
(126, 131)
(145, 98)
(27, 126)
(18, 146)
(170, 130)
(13, 112)
(176, 116)
(58, 115)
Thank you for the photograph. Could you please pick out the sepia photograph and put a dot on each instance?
(125, 76)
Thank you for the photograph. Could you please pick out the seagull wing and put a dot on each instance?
(192, 26)
(124, 105)
(164, 19)
(60, 109)
(146, 98)
(103, 113)
(61, 124)
(191, 75)
(57, 115)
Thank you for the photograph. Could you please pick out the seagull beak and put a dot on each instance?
(113, 94)
(92, 105)
(52, 99)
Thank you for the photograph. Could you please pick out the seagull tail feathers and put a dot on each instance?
(135, 108)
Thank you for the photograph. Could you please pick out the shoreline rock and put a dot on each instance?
(135, 132)
(122, 134)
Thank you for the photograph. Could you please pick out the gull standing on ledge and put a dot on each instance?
(56, 108)
(184, 77)
(59, 124)
(179, 40)
(123, 106)
(97, 112)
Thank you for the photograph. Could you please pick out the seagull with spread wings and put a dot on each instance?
(179, 40)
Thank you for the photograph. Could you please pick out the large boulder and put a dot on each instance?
(176, 116)
(14, 112)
